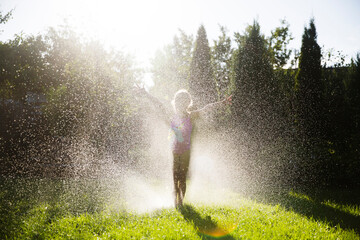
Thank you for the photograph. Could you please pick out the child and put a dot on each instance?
(181, 125)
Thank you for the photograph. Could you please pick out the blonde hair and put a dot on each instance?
(181, 96)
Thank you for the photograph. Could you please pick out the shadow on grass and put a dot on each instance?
(206, 227)
(22, 199)
(314, 204)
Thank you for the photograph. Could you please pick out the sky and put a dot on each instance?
(140, 27)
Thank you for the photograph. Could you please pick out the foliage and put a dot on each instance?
(6, 17)
(352, 97)
(310, 108)
(84, 92)
(171, 66)
(22, 65)
(309, 85)
(256, 90)
(201, 80)
(91, 84)
(278, 45)
(221, 53)
(63, 98)
(333, 59)
(283, 74)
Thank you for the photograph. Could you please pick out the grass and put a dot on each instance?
(27, 214)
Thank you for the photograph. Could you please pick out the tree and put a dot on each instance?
(89, 103)
(278, 45)
(6, 17)
(88, 87)
(309, 86)
(221, 54)
(353, 99)
(255, 89)
(310, 110)
(171, 67)
(280, 54)
(22, 65)
(256, 109)
(336, 109)
(201, 80)
(353, 88)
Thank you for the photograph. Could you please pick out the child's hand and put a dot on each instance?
(228, 100)
(139, 89)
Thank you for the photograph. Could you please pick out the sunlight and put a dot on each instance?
(351, 209)
(132, 25)
(300, 196)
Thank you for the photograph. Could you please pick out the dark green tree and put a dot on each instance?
(336, 108)
(353, 99)
(280, 55)
(255, 89)
(336, 129)
(22, 65)
(256, 107)
(309, 86)
(353, 91)
(201, 80)
(310, 111)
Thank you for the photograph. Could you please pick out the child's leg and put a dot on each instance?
(176, 173)
(182, 186)
(176, 189)
(185, 160)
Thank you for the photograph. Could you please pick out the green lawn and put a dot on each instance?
(28, 214)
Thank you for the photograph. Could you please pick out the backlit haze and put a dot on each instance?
(140, 27)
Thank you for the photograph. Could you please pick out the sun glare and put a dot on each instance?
(130, 26)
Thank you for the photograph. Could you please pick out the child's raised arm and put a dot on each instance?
(156, 102)
(212, 106)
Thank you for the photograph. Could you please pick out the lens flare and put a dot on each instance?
(218, 232)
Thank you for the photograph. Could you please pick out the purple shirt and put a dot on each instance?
(181, 129)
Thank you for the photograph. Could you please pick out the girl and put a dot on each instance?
(182, 123)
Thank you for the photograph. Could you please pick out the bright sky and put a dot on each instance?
(140, 27)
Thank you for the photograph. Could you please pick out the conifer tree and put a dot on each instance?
(308, 85)
(254, 94)
(201, 80)
(310, 110)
